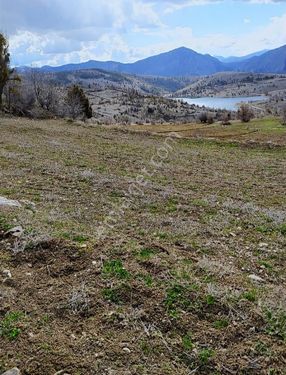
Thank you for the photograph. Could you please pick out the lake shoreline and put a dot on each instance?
(223, 103)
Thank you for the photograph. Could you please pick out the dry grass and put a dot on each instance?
(167, 291)
(263, 131)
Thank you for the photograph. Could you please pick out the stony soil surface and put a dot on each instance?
(140, 253)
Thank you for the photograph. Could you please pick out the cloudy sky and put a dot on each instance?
(56, 32)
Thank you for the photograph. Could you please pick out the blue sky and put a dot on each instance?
(62, 31)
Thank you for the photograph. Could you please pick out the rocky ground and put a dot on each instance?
(124, 252)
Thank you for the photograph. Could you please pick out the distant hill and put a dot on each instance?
(232, 59)
(273, 61)
(184, 62)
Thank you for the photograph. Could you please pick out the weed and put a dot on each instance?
(210, 300)
(146, 253)
(178, 297)
(221, 323)
(110, 294)
(115, 268)
(172, 205)
(4, 225)
(250, 295)
(204, 356)
(282, 229)
(261, 348)
(146, 348)
(276, 323)
(9, 326)
(187, 342)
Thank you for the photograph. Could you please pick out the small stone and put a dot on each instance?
(263, 244)
(15, 232)
(94, 262)
(255, 278)
(126, 350)
(13, 371)
(7, 273)
(232, 234)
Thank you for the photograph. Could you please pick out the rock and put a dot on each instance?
(13, 371)
(7, 273)
(126, 350)
(15, 232)
(263, 244)
(9, 202)
(256, 278)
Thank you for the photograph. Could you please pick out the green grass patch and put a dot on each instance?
(9, 325)
(146, 253)
(221, 323)
(276, 323)
(115, 268)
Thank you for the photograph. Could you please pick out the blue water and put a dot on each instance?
(230, 104)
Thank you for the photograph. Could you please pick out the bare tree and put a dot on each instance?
(45, 90)
(245, 113)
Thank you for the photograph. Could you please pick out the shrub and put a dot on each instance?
(203, 117)
(245, 113)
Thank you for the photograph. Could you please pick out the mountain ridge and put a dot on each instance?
(185, 62)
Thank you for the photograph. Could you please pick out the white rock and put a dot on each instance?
(263, 244)
(255, 278)
(126, 350)
(16, 231)
(9, 202)
(7, 273)
(13, 371)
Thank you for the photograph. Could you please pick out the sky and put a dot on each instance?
(56, 32)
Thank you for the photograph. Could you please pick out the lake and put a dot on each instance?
(230, 104)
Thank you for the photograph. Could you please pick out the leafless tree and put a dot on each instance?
(245, 113)
(45, 90)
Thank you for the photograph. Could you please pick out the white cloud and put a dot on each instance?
(62, 31)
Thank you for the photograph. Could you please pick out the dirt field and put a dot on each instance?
(141, 253)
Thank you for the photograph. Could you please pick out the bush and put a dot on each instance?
(225, 120)
(245, 113)
(77, 103)
(205, 117)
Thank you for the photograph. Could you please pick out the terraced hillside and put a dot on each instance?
(135, 253)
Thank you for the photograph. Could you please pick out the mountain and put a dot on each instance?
(91, 64)
(184, 62)
(232, 59)
(273, 61)
(180, 62)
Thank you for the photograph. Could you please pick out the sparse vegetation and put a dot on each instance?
(184, 282)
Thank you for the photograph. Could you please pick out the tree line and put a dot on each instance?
(36, 94)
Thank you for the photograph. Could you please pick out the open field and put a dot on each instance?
(263, 131)
(188, 276)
